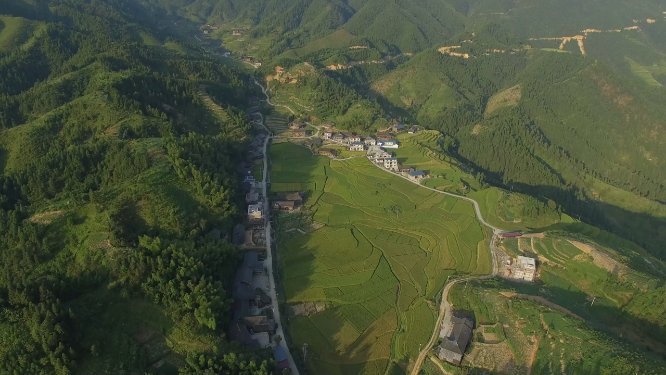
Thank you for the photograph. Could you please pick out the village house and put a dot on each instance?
(328, 125)
(313, 142)
(238, 332)
(258, 324)
(455, 341)
(255, 211)
(288, 201)
(369, 141)
(297, 125)
(357, 146)
(384, 136)
(413, 130)
(404, 169)
(328, 134)
(416, 175)
(302, 133)
(327, 152)
(389, 144)
(284, 205)
(237, 32)
(398, 128)
(338, 137)
(391, 164)
(524, 268)
(353, 139)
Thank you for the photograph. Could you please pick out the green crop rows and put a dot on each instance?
(386, 249)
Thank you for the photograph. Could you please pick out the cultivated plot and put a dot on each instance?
(379, 262)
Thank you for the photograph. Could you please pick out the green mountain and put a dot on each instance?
(118, 152)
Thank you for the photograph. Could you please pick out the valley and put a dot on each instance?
(266, 187)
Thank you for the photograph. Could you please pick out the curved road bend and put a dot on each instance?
(445, 311)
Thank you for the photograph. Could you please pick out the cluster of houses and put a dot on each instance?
(388, 161)
(361, 142)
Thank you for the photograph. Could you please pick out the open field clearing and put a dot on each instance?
(384, 254)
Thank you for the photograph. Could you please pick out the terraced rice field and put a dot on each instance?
(385, 251)
(277, 122)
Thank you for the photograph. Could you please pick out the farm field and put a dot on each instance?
(378, 263)
(596, 286)
(532, 338)
(509, 211)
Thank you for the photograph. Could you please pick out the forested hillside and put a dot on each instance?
(112, 170)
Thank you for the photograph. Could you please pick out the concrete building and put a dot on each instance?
(369, 141)
(389, 144)
(353, 139)
(357, 146)
(524, 268)
(391, 164)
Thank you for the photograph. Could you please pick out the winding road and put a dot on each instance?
(445, 310)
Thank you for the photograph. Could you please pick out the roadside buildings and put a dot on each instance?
(404, 169)
(328, 134)
(391, 164)
(455, 339)
(416, 175)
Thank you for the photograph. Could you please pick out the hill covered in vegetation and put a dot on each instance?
(118, 150)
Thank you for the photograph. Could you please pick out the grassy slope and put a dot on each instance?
(368, 261)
